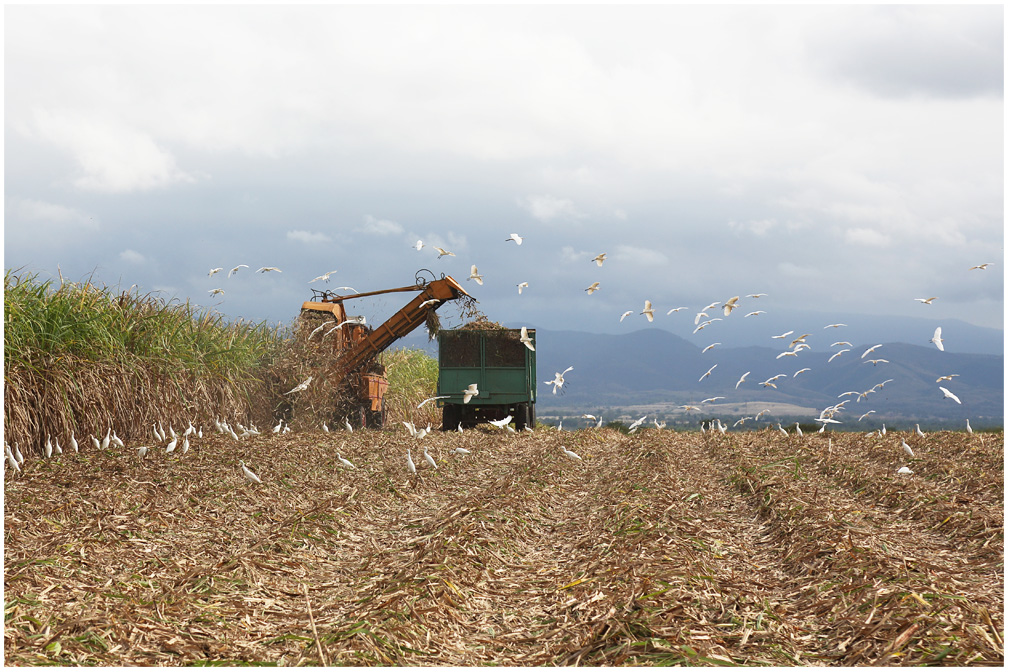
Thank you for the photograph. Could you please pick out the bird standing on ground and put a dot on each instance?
(410, 466)
(250, 476)
(344, 462)
(907, 448)
(917, 430)
(571, 455)
(49, 447)
(429, 459)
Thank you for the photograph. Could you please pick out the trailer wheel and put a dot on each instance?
(524, 416)
(451, 416)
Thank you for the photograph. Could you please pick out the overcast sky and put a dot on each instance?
(843, 158)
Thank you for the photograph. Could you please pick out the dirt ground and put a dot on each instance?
(657, 548)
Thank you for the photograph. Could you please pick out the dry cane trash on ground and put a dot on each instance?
(657, 548)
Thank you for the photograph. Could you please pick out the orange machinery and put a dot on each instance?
(356, 345)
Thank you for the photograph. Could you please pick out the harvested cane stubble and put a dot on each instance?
(657, 548)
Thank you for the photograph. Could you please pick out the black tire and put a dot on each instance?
(451, 416)
(524, 417)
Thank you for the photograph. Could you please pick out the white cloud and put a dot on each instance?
(380, 227)
(790, 270)
(113, 158)
(640, 256)
(43, 212)
(758, 227)
(132, 257)
(866, 237)
(547, 208)
(308, 237)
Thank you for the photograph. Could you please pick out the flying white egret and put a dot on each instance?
(835, 326)
(571, 455)
(429, 459)
(711, 399)
(676, 310)
(249, 475)
(904, 470)
(928, 301)
(235, 269)
(419, 245)
(878, 345)
(625, 314)
(470, 392)
(784, 335)
(698, 316)
(213, 271)
(874, 362)
(300, 387)
(864, 415)
(648, 312)
(937, 338)
(949, 395)
(345, 462)
(706, 323)
(444, 396)
(443, 253)
(756, 296)
(521, 286)
(514, 237)
(755, 312)
(637, 423)
(429, 302)
(709, 347)
(599, 259)
(350, 289)
(410, 466)
(558, 380)
(713, 304)
(837, 343)
(741, 379)
(800, 371)
(216, 291)
(707, 373)
(838, 354)
(324, 277)
(729, 305)
(267, 269)
(526, 341)
(788, 353)
(594, 287)
(502, 423)
(796, 341)
(475, 275)
(949, 377)
(980, 267)
(907, 448)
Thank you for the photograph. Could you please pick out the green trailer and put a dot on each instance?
(501, 366)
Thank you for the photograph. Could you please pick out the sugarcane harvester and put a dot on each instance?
(352, 347)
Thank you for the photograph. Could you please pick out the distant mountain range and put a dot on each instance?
(655, 367)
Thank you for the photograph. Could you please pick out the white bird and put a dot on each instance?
(756, 312)
(215, 292)
(937, 338)
(874, 362)
(461, 451)
(707, 373)
(904, 470)
(526, 341)
(502, 423)
(797, 341)
(73, 442)
(444, 396)
(185, 445)
(18, 455)
(347, 425)
(594, 287)
(864, 415)
(949, 395)
(410, 466)
(108, 437)
(798, 430)
(706, 323)
(429, 459)
(514, 237)
(521, 286)
(348, 288)
(235, 269)
(907, 448)
(410, 428)
(558, 380)
(345, 462)
(698, 316)
(96, 443)
(11, 459)
(300, 387)
(837, 343)
(419, 245)
(878, 345)
(949, 377)
(213, 271)
(782, 429)
(648, 312)
(470, 392)
(917, 430)
(835, 326)
(710, 399)
(800, 371)
(571, 455)
(969, 430)
(882, 431)
(267, 269)
(474, 275)
(676, 310)
(709, 347)
(56, 449)
(756, 296)
(443, 253)
(784, 335)
(429, 302)
(980, 267)
(599, 259)
(280, 425)
(637, 423)
(171, 445)
(729, 305)
(713, 304)
(928, 301)
(324, 277)
(142, 452)
(741, 379)
(249, 475)
(788, 353)
(838, 354)
(625, 315)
